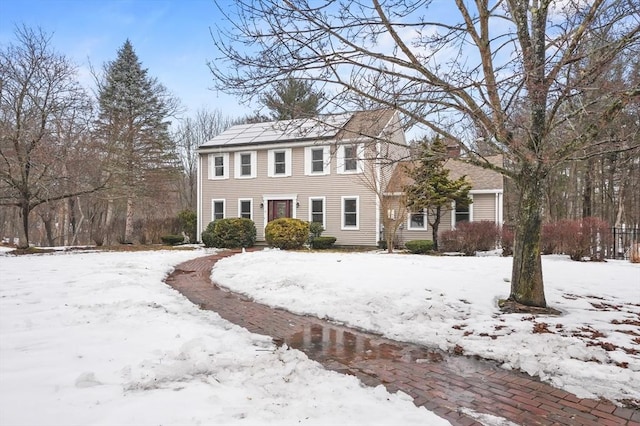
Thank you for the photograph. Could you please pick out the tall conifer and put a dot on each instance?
(134, 123)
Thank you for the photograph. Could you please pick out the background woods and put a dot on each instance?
(561, 105)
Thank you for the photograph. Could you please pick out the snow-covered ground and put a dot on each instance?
(592, 350)
(99, 339)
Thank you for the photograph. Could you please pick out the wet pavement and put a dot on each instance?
(457, 388)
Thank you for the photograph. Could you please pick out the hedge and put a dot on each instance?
(419, 246)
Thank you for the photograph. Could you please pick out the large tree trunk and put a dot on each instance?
(526, 280)
(23, 236)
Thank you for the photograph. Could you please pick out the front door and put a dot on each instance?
(279, 208)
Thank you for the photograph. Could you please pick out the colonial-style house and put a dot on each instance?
(333, 169)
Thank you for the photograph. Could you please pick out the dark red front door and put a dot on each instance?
(279, 208)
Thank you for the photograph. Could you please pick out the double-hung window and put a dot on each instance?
(350, 158)
(245, 165)
(218, 166)
(244, 208)
(316, 211)
(316, 161)
(350, 207)
(217, 209)
(279, 162)
(418, 220)
(463, 212)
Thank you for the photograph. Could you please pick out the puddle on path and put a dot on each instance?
(322, 342)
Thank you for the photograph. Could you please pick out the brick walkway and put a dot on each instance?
(446, 384)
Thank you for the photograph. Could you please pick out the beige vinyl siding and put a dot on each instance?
(331, 186)
(484, 207)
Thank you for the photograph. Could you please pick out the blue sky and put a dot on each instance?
(171, 37)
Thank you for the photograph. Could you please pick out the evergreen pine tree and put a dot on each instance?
(292, 99)
(133, 121)
(432, 189)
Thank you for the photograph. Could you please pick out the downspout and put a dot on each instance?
(378, 185)
(199, 198)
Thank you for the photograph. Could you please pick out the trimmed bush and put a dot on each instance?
(322, 242)
(419, 246)
(172, 240)
(470, 237)
(207, 239)
(315, 229)
(287, 233)
(233, 232)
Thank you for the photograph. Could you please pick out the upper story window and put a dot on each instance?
(317, 160)
(350, 212)
(217, 209)
(350, 158)
(218, 166)
(279, 162)
(245, 165)
(244, 208)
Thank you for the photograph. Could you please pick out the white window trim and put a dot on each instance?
(414, 228)
(453, 212)
(250, 200)
(224, 208)
(271, 167)
(324, 209)
(359, 162)
(342, 212)
(326, 160)
(238, 165)
(225, 166)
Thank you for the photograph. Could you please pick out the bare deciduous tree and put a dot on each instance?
(498, 71)
(190, 134)
(43, 117)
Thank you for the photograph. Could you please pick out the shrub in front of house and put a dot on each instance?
(506, 241)
(172, 240)
(320, 243)
(287, 233)
(419, 246)
(315, 229)
(207, 239)
(470, 237)
(233, 232)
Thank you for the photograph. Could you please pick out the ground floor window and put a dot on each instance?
(316, 213)
(463, 213)
(349, 212)
(217, 209)
(417, 221)
(245, 209)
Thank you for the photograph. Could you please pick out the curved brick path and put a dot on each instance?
(440, 382)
